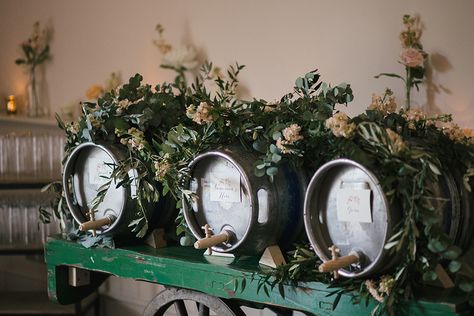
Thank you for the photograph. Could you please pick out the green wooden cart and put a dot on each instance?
(214, 283)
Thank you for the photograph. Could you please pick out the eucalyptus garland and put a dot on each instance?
(162, 129)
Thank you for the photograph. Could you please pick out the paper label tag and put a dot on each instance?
(353, 206)
(225, 187)
(99, 172)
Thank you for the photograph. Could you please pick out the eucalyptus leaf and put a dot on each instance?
(436, 246)
(272, 171)
(452, 252)
(430, 276)
(276, 135)
(276, 158)
(454, 266)
(466, 286)
(390, 245)
(259, 172)
(434, 168)
(274, 149)
(260, 146)
(299, 83)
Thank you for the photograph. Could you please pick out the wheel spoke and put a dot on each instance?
(203, 310)
(164, 301)
(180, 308)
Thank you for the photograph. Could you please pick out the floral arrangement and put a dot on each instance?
(164, 128)
(133, 117)
(412, 56)
(35, 50)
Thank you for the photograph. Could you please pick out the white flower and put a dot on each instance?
(385, 104)
(136, 140)
(292, 133)
(122, 106)
(339, 126)
(73, 127)
(413, 116)
(202, 114)
(94, 121)
(370, 284)
(162, 168)
(281, 144)
(184, 56)
(386, 284)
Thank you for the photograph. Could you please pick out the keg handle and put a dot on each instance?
(341, 262)
(97, 224)
(211, 241)
(67, 192)
(354, 184)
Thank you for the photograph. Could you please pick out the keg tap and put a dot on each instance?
(337, 263)
(94, 224)
(212, 240)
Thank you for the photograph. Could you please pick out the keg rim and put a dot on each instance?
(223, 153)
(68, 166)
(318, 176)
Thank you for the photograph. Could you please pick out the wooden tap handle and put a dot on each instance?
(97, 224)
(341, 262)
(212, 241)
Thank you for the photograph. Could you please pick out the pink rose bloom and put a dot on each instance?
(411, 57)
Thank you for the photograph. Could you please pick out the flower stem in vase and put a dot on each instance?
(408, 83)
(33, 100)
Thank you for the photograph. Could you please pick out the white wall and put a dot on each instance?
(348, 41)
(278, 40)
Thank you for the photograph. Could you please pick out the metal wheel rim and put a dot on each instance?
(165, 300)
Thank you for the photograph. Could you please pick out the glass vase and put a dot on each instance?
(33, 100)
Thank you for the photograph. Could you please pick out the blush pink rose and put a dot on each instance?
(411, 57)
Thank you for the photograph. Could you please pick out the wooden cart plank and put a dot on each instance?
(186, 267)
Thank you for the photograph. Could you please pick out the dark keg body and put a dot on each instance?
(257, 212)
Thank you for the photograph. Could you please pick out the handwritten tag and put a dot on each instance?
(225, 187)
(353, 206)
(99, 172)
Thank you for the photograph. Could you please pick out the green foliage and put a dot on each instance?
(162, 129)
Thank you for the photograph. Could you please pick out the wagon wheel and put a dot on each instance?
(173, 298)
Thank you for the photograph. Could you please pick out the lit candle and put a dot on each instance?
(11, 105)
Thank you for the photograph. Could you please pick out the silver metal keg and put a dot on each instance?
(88, 167)
(345, 207)
(246, 213)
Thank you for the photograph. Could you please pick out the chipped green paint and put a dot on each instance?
(186, 267)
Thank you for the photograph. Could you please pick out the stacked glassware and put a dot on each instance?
(28, 160)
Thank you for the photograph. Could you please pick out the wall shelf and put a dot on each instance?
(48, 121)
